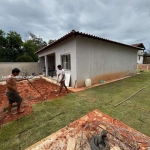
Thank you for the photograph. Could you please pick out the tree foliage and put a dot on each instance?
(30, 49)
(2, 39)
(14, 49)
(25, 58)
(10, 46)
(51, 41)
(37, 41)
(146, 56)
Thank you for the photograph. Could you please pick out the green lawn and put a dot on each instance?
(50, 116)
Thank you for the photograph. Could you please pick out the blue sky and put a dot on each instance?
(119, 20)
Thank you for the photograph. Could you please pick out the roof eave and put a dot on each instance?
(57, 41)
(73, 32)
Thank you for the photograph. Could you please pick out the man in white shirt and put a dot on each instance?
(61, 78)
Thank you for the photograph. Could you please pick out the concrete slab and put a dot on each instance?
(74, 90)
(95, 85)
(52, 80)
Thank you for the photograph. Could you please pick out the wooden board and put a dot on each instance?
(67, 80)
(71, 144)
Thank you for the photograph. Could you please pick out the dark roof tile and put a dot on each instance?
(140, 45)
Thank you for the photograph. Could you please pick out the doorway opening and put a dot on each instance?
(51, 65)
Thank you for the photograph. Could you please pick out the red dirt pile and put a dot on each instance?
(77, 135)
(30, 96)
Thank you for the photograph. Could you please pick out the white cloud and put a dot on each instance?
(124, 21)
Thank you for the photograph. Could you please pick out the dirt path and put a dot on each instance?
(30, 97)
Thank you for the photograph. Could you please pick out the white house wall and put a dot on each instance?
(140, 57)
(103, 60)
(66, 47)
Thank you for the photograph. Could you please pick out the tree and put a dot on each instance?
(37, 41)
(2, 39)
(2, 46)
(148, 51)
(10, 46)
(14, 40)
(32, 44)
(2, 55)
(14, 43)
(51, 41)
(146, 56)
(24, 58)
(13, 49)
(29, 49)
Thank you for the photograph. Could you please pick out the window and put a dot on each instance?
(139, 57)
(66, 62)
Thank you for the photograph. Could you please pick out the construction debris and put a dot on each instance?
(77, 135)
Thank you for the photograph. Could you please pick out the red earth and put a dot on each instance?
(90, 124)
(30, 96)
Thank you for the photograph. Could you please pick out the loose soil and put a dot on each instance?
(77, 135)
(30, 96)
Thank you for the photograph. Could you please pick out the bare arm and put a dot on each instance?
(9, 81)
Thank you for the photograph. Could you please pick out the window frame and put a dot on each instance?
(61, 61)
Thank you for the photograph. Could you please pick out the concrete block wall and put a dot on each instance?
(143, 66)
(29, 67)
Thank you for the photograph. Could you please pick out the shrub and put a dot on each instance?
(25, 58)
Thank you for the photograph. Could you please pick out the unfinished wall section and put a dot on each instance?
(28, 67)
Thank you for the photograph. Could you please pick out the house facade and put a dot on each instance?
(85, 56)
(140, 53)
(140, 57)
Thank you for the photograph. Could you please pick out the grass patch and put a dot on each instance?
(142, 71)
(50, 116)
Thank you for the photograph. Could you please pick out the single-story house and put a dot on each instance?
(140, 53)
(86, 56)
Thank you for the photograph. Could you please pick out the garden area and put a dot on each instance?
(48, 116)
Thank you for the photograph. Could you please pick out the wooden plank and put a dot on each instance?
(50, 139)
(67, 80)
(71, 144)
(131, 95)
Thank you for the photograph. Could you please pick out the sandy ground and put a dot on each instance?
(30, 96)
